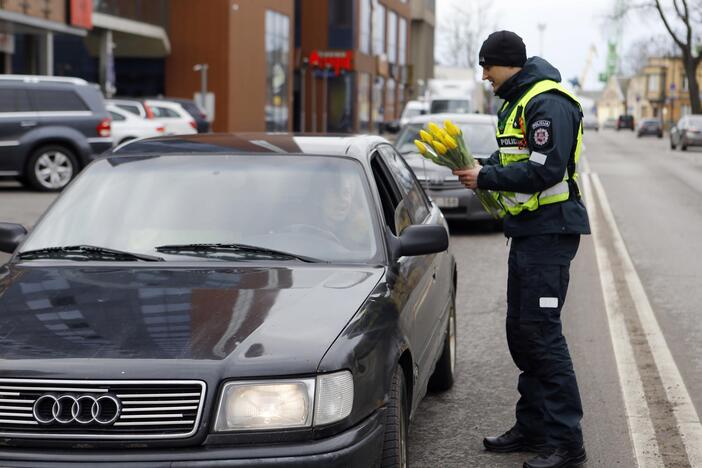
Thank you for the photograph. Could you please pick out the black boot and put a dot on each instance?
(558, 458)
(513, 441)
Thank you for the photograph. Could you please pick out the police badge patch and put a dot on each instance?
(541, 133)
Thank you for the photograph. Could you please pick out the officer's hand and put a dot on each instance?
(468, 177)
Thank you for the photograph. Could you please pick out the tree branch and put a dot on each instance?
(667, 26)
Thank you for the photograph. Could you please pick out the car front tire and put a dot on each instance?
(50, 168)
(396, 424)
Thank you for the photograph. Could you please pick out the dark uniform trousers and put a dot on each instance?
(549, 406)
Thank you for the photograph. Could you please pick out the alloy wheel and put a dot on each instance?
(53, 169)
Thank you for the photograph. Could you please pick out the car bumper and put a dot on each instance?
(467, 206)
(692, 140)
(359, 446)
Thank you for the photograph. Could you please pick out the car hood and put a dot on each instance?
(82, 321)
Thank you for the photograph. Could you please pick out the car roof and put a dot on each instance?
(456, 118)
(355, 146)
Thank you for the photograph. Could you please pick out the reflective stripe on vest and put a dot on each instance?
(513, 149)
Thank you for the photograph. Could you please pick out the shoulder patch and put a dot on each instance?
(541, 134)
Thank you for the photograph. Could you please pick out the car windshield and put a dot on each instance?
(695, 120)
(480, 137)
(308, 206)
(458, 106)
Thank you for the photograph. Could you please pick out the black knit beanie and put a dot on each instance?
(503, 48)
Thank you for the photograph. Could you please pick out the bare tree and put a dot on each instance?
(464, 31)
(636, 57)
(681, 19)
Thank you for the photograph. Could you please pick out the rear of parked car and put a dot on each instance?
(50, 128)
(687, 132)
(625, 121)
(650, 127)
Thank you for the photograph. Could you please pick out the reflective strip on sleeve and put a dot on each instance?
(523, 197)
(514, 150)
(548, 302)
(538, 158)
(560, 187)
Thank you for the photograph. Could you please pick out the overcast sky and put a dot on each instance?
(572, 26)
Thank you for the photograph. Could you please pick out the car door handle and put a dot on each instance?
(28, 123)
(433, 275)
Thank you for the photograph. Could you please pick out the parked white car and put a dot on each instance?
(127, 126)
(173, 116)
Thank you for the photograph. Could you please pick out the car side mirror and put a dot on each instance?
(419, 239)
(10, 236)
(422, 112)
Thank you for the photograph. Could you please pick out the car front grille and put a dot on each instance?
(137, 409)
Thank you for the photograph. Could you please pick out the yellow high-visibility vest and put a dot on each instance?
(512, 141)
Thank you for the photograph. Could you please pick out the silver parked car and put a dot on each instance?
(687, 132)
(440, 184)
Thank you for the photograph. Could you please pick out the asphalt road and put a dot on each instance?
(654, 194)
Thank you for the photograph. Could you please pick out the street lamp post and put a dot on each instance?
(202, 68)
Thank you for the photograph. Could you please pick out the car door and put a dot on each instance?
(16, 119)
(428, 299)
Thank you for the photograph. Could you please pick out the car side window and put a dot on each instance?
(56, 100)
(395, 212)
(412, 193)
(129, 108)
(14, 100)
(116, 117)
(164, 113)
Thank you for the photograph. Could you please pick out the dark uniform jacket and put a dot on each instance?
(568, 217)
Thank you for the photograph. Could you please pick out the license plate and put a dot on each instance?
(446, 202)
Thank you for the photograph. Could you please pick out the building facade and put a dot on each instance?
(352, 64)
(421, 46)
(248, 48)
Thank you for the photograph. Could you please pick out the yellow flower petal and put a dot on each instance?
(434, 129)
(425, 136)
(440, 148)
(420, 146)
(451, 128)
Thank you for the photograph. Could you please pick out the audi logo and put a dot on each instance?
(82, 409)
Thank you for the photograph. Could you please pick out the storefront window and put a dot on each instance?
(277, 52)
(378, 29)
(364, 104)
(390, 99)
(364, 35)
(378, 109)
(402, 59)
(392, 37)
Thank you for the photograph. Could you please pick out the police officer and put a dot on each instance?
(534, 176)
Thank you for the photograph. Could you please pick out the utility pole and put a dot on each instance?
(202, 68)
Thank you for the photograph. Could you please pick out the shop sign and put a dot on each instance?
(82, 13)
(336, 60)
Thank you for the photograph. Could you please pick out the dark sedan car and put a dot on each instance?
(650, 127)
(267, 300)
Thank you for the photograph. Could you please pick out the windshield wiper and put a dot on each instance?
(243, 249)
(86, 252)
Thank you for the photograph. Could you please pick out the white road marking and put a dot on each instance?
(686, 417)
(643, 436)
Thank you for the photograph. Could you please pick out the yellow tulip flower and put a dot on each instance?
(451, 128)
(450, 142)
(420, 146)
(434, 129)
(425, 136)
(440, 148)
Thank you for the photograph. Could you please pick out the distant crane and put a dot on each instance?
(579, 83)
(614, 41)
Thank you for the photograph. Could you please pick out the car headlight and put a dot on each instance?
(285, 404)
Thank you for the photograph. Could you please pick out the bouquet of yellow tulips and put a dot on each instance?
(446, 147)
